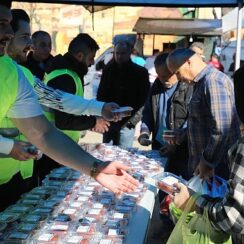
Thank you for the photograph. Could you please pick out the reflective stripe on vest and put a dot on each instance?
(9, 166)
(74, 135)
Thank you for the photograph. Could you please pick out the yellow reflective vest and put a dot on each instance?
(74, 135)
(8, 93)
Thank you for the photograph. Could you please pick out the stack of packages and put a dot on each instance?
(73, 208)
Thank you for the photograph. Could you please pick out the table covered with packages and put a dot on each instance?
(70, 207)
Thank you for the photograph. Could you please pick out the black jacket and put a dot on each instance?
(65, 121)
(37, 68)
(127, 86)
(178, 110)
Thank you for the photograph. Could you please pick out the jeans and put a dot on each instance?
(122, 137)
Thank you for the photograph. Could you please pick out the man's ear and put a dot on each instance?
(189, 62)
(79, 56)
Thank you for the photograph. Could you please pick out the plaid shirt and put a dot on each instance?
(213, 124)
(228, 214)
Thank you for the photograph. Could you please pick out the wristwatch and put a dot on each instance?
(97, 167)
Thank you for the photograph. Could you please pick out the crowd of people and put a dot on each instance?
(190, 97)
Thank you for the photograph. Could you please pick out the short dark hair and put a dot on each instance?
(36, 34)
(6, 3)
(82, 43)
(18, 15)
(127, 45)
(161, 59)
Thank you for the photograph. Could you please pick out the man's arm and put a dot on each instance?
(27, 116)
(63, 150)
(227, 214)
(53, 143)
(69, 103)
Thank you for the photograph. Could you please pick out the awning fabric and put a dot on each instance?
(178, 27)
(164, 3)
(92, 8)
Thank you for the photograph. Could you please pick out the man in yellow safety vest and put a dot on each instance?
(16, 92)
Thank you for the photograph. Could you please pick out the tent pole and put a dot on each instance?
(153, 44)
(238, 40)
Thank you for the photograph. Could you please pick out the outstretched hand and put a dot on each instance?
(115, 178)
(108, 114)
(204, 171)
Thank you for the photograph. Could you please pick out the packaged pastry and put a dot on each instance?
(44, 212)
(19, 237)
(87, 220)
(41, 190)
(86, 229)
(59, 226)
(27, 227)
(111, 241)
(76, 204)
(166, 181)
(9, 217)
(32, 202)
(123, 111)
(115, 223)
(83, 198)
(107, 202)
(48, 204)
(124, 209)
(32, 196)
(116, 233)
(95, 213)
(32, 218)
(19, 208)
(46, 237)
(75, 239)
(62, 218)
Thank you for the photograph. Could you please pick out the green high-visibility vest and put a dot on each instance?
(8, 84)
(11, 166)
(74, 135)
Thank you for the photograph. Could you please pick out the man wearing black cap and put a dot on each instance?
(213, 124)
(225, 214)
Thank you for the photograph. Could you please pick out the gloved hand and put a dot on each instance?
(144, 140)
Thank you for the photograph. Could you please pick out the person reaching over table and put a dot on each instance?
(16, 92)
(225, 214)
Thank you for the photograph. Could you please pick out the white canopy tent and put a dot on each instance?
(100, 4)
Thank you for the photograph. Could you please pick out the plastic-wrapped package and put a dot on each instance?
(166, 181)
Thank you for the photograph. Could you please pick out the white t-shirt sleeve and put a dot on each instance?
(6, 145)
(66, 102)
(26, 104)
(78, 105)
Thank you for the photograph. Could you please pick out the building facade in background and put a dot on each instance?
(64, 22)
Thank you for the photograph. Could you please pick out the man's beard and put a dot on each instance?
(84, 68)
